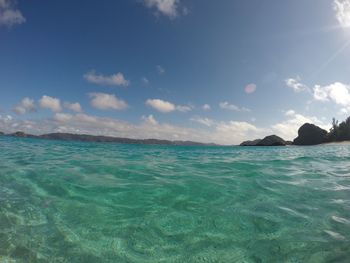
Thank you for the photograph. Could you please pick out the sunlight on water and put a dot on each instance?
(82, 202)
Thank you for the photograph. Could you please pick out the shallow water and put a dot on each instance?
(87, 202)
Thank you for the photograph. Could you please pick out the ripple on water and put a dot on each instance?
(81, 202)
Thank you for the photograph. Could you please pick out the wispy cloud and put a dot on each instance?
(149, 120)
(160, 69)
(290, 113)
(145, 81)
(25, 106)
(342, 12)
(9, 15)
(227, 106)
(103, 101)
(295, 84)
(183, 108)
(166, 106)
(169, 8)
(117, 79)
(204, 121)
(76, 107)
(206, 107)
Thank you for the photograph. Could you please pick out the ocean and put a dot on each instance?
(99, 202)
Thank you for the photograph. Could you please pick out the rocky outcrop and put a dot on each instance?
(1, 133)
(310, 134)
(271, 140)
(250, 143)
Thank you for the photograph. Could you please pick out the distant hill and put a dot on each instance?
(106, 139)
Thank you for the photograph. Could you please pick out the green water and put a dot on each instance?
(85, 202)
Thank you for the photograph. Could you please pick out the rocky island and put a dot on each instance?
(272, 140)
(308, 134)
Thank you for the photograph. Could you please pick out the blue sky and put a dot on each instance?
(221, 71)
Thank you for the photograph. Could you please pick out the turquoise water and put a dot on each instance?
(85, 202)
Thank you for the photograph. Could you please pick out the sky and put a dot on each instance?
(209, 71)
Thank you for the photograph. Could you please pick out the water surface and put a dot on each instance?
(89, 202)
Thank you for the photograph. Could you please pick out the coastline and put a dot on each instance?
(104, 139)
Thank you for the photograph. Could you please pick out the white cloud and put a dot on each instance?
(166, 7)
(250, 88)
(145, 81)
(295, 84)
(290, 113)
(166, 106)
(183, 108)
(117, 79)
(53, 104)
(149, 120)
(161, 105)
(206, 107)
(76, 107)
(336, 92)
(103, 101)
(204, 121)
(6, 118)
(320, 93)
(288, 129)
(342, 10)
(227, 106)
(25, 106)
(9, 15)
(160, 69)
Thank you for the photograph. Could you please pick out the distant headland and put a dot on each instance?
(308, 134)
(104, 139)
